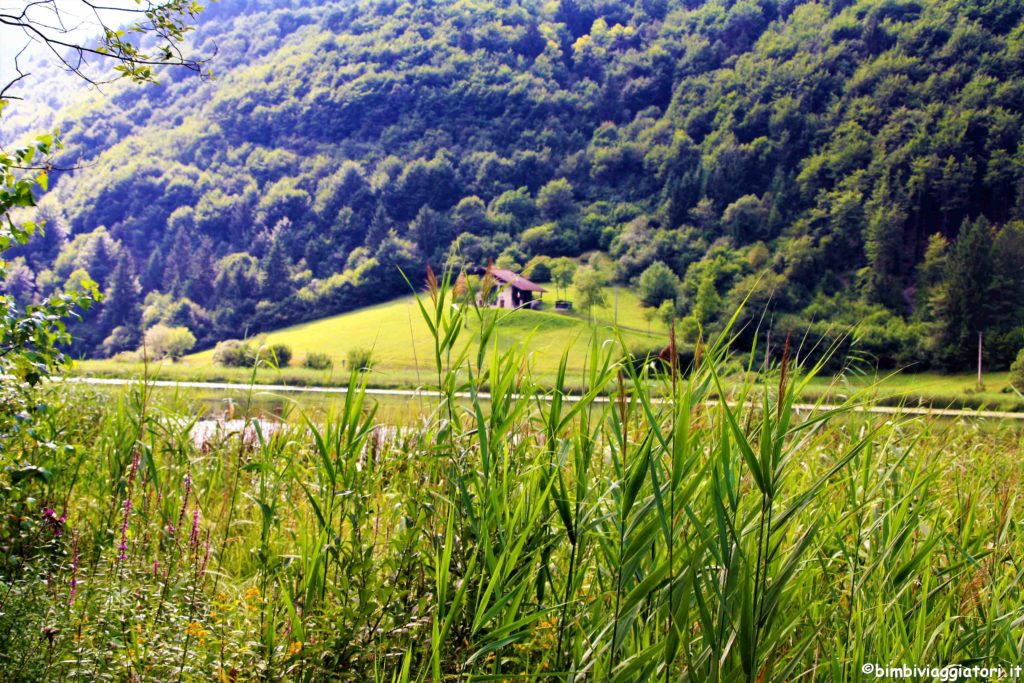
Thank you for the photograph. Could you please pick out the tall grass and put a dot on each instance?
(635, 532)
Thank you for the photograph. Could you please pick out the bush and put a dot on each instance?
(318, 361)
(120, 340)
(162, 341)
(1017, 372)
(234, 353)
(360, 358)
(278, 353)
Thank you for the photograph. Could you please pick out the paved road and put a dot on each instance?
(413, 393)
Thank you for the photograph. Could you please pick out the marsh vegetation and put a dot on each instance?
(533, 536)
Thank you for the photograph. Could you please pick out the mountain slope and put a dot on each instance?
(850, 159)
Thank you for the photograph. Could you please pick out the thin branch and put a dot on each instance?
(3, 93)
(49, 40)
(162, 25)
(127, 10)
(51, 168)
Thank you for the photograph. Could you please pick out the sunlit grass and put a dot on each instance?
(401, 344)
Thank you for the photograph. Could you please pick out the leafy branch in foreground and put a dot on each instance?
(152, 36)
(29, 338)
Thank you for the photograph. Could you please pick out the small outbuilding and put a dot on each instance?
(514, 291)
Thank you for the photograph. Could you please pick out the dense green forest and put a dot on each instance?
(848, 162)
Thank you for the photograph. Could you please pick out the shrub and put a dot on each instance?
(360, 358)
(234, 353)
(1017, 372)
(162, 341)
(279, 354)
(318, 361)
(121, 339)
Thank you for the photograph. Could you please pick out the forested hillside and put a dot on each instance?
(849, 161)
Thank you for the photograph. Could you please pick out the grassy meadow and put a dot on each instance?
(928, 389)
(401, 343)
(522, 538)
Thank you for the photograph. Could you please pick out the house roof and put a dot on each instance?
(513, 279)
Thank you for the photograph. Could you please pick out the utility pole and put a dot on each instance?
(979, 361)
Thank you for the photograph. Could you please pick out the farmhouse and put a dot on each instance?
(514, 290)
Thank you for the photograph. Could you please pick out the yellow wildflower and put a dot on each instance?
(196, 630)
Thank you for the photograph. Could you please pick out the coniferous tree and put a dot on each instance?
(930, 275)
(431, 232)
(42, 250)
(883, 246)
(177, 263)
(102, 260)
(275, 279)
(120, 300)
(152, 277)
(202, 274)
(532, 43)
(378, 229)
(965, 303)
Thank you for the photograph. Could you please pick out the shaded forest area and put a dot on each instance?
(850, 162)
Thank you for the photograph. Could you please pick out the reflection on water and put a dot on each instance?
(214, 407)
(259, 406)
(297, 407)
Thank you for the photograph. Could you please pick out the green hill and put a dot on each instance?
(402, 346)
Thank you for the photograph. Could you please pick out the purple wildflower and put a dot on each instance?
(55, 523)
(50, 519)
(122, 547)
(134, 468)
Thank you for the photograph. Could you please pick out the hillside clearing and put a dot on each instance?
(402, 346)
